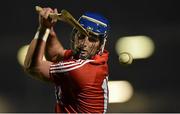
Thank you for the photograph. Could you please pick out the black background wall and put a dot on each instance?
(155, 80)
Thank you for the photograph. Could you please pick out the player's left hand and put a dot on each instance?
(44, 20)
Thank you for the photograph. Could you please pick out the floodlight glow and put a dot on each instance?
(138, 46)
(4, 105)
(22, 54)
(119, 91)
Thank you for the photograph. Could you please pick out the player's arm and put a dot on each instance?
(34, 63)
(54, 50)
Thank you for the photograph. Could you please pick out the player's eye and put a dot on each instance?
(80, 36)
(93, 39)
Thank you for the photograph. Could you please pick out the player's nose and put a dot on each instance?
(86, 40)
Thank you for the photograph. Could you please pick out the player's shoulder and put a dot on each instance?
(67, 54)
(101, 58)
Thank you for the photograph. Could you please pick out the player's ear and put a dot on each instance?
(99, 48)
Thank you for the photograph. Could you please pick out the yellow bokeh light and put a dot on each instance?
(4, 104)
(119, 91)
(138, 46)
(21, 54)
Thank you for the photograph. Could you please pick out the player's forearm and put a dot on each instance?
(34, 63)
(35, 52)
(54, 49)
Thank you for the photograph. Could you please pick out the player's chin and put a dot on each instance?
(83, 56)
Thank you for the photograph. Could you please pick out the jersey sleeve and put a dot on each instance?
(67, 54)
(54, 66)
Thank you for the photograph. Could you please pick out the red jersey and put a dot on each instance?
(81, 85)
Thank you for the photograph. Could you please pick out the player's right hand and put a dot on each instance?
(44, 20)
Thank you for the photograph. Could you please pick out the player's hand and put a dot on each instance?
(44, 20)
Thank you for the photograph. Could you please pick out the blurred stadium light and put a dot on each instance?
(138, 46)
(22, 53)
(4, 105)
(119, 91)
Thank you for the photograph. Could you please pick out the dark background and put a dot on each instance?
(155, 80)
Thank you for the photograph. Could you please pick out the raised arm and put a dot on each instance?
(34, 63)
(54, 50)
